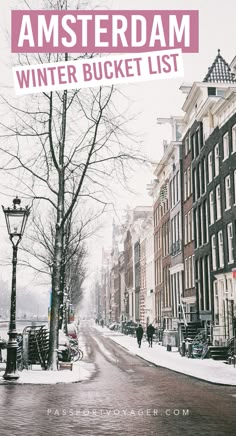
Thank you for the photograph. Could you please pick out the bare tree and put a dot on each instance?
(63, 147)
(75, 276)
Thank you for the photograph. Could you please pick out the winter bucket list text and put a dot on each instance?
(156, 40)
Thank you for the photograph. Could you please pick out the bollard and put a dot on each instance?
(183, 348)
(168, 347)
(190, 349)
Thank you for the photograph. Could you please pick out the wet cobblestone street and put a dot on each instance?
(125, 396)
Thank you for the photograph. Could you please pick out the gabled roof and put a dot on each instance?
(220, 71)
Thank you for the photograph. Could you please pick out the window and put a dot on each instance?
(210, 172)
(178, 227)
(234, 186)
(192, 235)
(216, 155)
(189, 182)
(177, 186)
(213, 251)
(220, 92)
(193, 146)
(203, 173)
(207, 224)
(216, 306)
(221, 249)
(226, 145)
(204, 222)
(234, 139)
(194, 185)
(185, 185)
(174, 192)
(211, 90)
(171, 194)
(186, 229)
(218, 204)
(195, 223)
(173, 237)
(211, 199)
(227, 193)
(175, 189)
(190, 272)
(230, 243)
(189, 227)
(199, 223)
(215, 91)
(197, 143)
(199, 172)
(193, 271)
(165, 241)
(186, 273)
(186, 146)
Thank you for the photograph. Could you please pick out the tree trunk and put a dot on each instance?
(57, 291)
(62, 284)
(55, 303)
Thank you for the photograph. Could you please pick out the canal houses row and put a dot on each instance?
(174, 264)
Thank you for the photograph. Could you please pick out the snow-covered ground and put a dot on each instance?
(207, 369)
(81, 371)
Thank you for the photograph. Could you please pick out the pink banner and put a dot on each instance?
(104, 31)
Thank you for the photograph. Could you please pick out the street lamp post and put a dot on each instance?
(126, 300)
(16, 218)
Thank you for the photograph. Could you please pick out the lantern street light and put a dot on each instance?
(16, 218)
(126, 300)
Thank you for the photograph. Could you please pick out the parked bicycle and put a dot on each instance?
(196, 348)
(70, 352)
(75, 351)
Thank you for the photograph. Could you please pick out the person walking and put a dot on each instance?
(139, 334)
(150, 333)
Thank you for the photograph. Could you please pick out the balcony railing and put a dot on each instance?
(176, 247)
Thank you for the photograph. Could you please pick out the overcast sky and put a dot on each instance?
(150, 99)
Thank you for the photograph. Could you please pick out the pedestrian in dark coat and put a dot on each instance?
(139, 334)
(150, 333)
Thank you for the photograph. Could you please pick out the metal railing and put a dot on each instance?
(176, 247)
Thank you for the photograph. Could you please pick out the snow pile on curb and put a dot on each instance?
(209, 370)
(81, 371)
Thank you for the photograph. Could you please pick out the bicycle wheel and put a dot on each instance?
(81, 354)
(75, 358)
(74, 354)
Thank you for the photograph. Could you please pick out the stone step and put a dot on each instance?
(218, 352)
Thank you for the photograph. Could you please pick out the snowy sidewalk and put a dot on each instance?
(209, 370)
(81, 371)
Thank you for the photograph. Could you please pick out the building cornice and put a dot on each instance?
(161, 166)
(223, 102)
(193, 96)
(206, 107)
